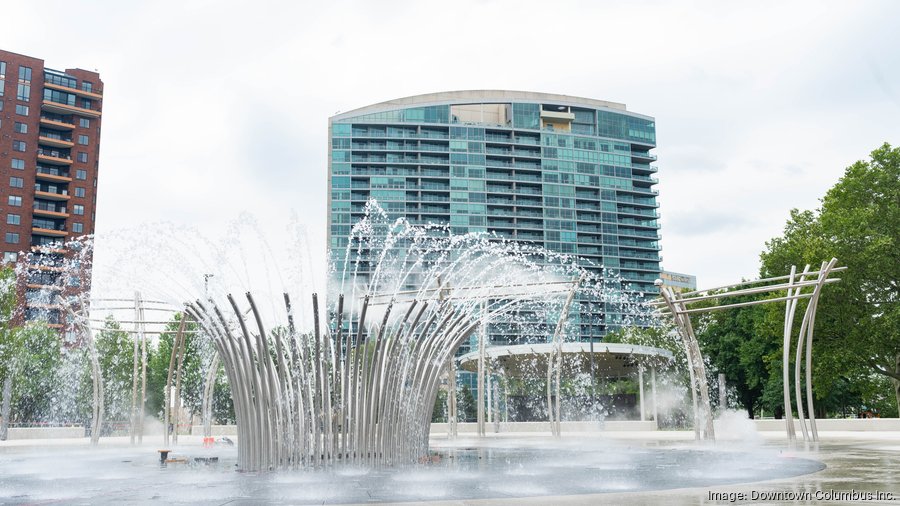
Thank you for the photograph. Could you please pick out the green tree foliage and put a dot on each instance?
(115, 349)
(30, 356)
(858, 322)
(198, 355)
(466, 404)
(33, 359)
(192, 372)
(439, 415)
(7, 308)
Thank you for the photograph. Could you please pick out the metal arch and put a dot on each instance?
(696, 367)
(676, 305)
(302, 401)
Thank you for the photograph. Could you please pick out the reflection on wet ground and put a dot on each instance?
(496, 469)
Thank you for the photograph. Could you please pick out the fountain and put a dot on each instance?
(343, 386)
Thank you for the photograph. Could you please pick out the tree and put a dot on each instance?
(198, 353)
(29, 361)
(858, 321)
(115, 349)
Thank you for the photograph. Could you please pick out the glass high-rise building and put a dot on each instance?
(571, 174)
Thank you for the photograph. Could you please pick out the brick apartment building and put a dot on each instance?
(50, 123)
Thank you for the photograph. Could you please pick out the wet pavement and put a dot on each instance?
(645, 468)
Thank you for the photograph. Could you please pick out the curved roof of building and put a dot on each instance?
(609, 358)
(483, 96)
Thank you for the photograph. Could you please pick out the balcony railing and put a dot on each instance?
(42, 206)
(54, 153)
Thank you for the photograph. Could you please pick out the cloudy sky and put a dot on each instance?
(213, 107)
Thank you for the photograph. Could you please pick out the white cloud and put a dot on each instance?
(215, 107)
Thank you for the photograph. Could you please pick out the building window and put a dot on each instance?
(21, 110)
(13, 219)
(78, 209)
(84, 123)
(83, 140)
(18, 145)
(10, 256)
(14, 201)
(80, 174)
(87, 86)
(16, 182)
(24, 74)
(60, 97)
(86, 103)
(12, 238)
(23, 92)
(79, 191)
(82, 157)
(17, 164)
(78, 228)
(21, 128)
(2, 77)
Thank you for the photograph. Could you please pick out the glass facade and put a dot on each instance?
(571, 177)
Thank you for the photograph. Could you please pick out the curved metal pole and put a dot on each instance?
(143, 337)
(703, 386)
(669, 298)
(167, 394)
(785, 362)
(132, 431)
(208, 391)
(179, 371)
(814, 302)
(790, 309)
(798, 364)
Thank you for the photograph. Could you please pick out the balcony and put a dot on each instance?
(638, 233)
(646, 179)
(528, 191)
(56, 142)
(46, 213)
(76, 91)
(643, 167)
(58, 108)
(54, 157)
(45, 268)
(56, 176)
(643, 156)
(58, 232)
(56, 123)
(52, 195)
